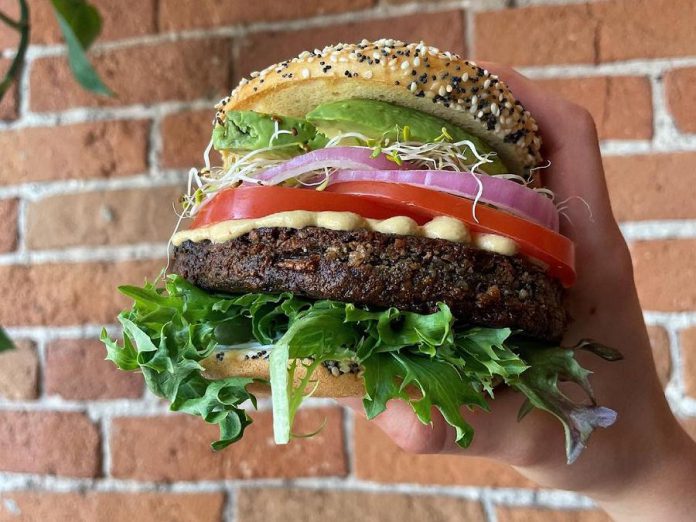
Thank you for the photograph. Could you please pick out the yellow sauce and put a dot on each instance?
(441, 227)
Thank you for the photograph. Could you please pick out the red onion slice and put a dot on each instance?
(503, 193)
(354, 158)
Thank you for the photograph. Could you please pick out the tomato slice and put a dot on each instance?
(381, 200)
(257, 202)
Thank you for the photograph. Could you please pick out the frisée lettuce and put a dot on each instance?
(427, 360)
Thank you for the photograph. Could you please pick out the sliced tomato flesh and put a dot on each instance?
(382, 200)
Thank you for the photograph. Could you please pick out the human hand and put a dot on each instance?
(645, 455)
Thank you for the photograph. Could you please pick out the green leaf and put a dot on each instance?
(80, 24)
(83, 19)
(547, 367)
(424, 359)
(5, 341)
(278, 368)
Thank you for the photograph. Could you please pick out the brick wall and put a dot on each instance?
(86, 186)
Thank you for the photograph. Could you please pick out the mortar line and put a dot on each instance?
(87, 254)
(500, 496)
(348, 421)
(21, 231)
(105, 431)
(34, 191)
(489, 511)
(229, 513)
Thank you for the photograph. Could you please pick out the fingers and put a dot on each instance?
(497, 434)
(571, 145)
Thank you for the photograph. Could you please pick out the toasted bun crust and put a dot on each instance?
(346, 385)
(412, 75)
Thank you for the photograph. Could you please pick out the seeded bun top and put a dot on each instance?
(412, 75)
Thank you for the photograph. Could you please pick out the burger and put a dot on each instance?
(374, 228)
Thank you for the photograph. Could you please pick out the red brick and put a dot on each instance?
(655, 186)
(19, 372)
(178, 448)
(183, 14)
(621, 105)
(640, 29)
(663, 270)
(8, 229)
(280, 505)
(53, 443)
(527, 514)
(586, 33)
(679, 85)
(71, 293)
(254, 53)
(114, 507)
(537, 35)
(75, 369)
(380, 460)
(9, 102)
(185, 136)
(183, 70)
(86, 150)
(688, 352)
(120, 19)
(659, 341)
(113, 217)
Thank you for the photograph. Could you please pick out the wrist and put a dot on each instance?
(657, 484)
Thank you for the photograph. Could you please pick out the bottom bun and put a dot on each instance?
(327, 384)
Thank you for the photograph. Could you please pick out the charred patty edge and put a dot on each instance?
(382, 270)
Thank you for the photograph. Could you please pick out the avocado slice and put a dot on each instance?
(245, 131)
(378, 119)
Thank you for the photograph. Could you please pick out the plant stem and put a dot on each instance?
(23, 27)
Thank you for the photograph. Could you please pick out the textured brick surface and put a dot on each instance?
(525, 514)
(19, 371)
(536, 35)
(277, 505)
(54, 443)
(120, 19)
(8, 104)
(103, 218)
(679, 86)
(688, 352)
(586, 33)
(8, 224)
(183, 14)
(659, 340)
(621, 106)
(254, 53)
(75, 369)
(24, 506)
(662, 270)
(185, 136)
(69, 294)
(152, 449)
(379, 460)
(85, 150)
(630, 29)
(652, 186)
(184, 70)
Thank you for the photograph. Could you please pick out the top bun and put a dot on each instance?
(412, 75)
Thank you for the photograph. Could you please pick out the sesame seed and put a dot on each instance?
(465, 77)
(487, 84)
(416, 61)
(442, 91)
(367, 74)
(474, 100)
(413, 86)
(494, 108)
(479, 114)
(405, 65)
(305, 73)
(448, 88)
